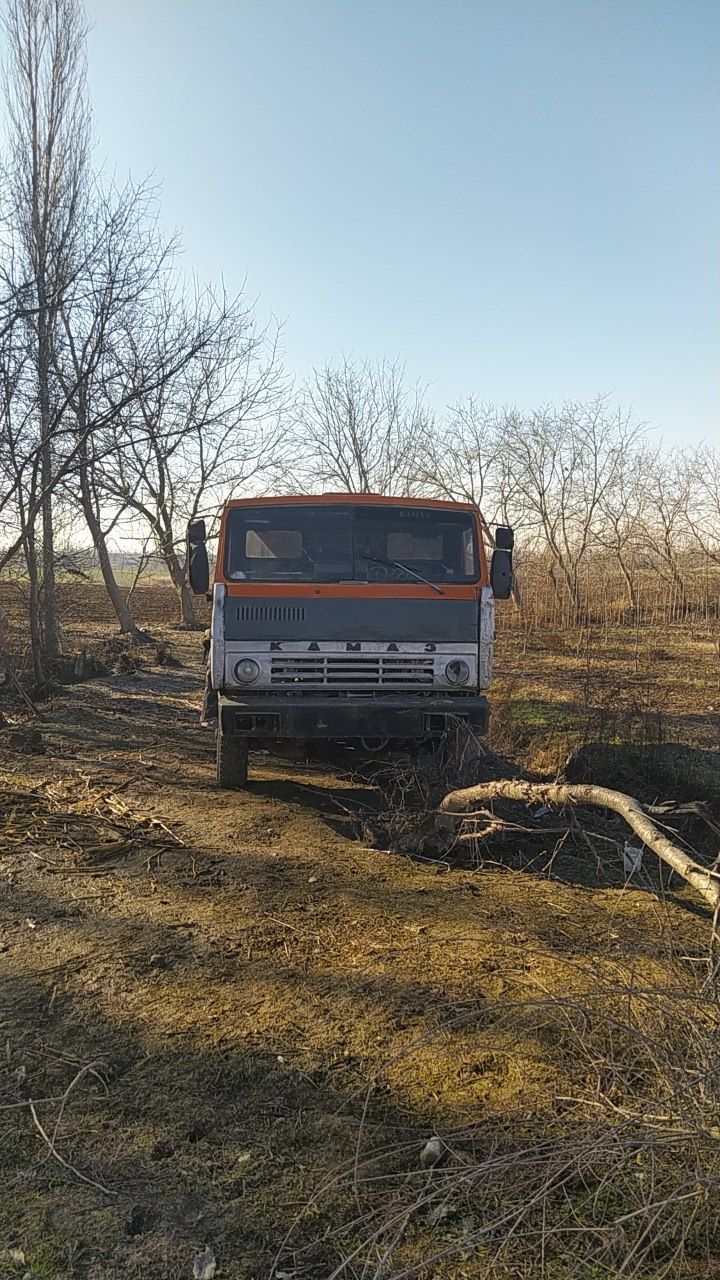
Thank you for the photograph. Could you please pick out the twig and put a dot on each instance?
(89, 1069)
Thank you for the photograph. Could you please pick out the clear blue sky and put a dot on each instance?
(518, 198)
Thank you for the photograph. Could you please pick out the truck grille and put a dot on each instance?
(371, 669)
(270, 613)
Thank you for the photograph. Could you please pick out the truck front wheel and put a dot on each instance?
(232, 763)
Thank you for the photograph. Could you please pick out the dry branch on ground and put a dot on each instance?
(706, 881)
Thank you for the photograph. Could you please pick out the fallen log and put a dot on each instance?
(459, 805)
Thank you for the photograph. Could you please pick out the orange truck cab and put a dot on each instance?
(348, 617)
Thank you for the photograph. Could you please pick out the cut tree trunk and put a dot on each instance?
(460, 804)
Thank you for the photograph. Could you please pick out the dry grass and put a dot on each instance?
(555, 691)
(618, 1174)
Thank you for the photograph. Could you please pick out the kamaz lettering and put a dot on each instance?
(278, 646)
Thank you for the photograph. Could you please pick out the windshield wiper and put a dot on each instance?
(397, 565)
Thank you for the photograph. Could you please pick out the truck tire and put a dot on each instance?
(232, 763)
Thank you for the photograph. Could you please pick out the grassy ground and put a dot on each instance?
(642, 685)
(257, 1022)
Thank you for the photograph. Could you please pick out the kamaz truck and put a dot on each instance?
(349, 618)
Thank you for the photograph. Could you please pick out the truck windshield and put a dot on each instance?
(345, 543)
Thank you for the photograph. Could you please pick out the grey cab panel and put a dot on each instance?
(305, 618)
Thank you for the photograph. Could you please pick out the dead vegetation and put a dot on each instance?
(558, 690)
(68, 828)
(615, 1174)
(472, 807)
(262, 1024)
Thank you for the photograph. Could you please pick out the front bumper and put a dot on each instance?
(338, 719)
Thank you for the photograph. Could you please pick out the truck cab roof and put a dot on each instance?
(352, 499)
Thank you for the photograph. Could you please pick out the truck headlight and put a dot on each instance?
(246, 671)
(457, 671)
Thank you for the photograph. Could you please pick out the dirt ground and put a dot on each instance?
(224, 1007)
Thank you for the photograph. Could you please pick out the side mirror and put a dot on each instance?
(504, 538)
(501, 574)
(198, 568)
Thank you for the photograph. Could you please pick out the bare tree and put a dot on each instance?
(622, 513)
(565, 463)
(203, 424)
(357, 429)
(458, 457)
(45, 190)
(465, 458)
(704, 500)
(123, 262)
(665, 533)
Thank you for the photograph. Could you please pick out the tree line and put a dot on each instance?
(578, 482)
(133, 398)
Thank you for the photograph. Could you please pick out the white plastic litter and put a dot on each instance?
(632, 858)
(205, 1264)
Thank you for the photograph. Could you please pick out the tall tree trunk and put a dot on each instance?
(678, 582)
(37, 648)
(570, 578)
(117, 599)
(557, 592)
(630, 591)
(188, 617)
(167, 552)
(52, 636)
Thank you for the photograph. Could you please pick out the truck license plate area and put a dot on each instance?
(247, 722)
